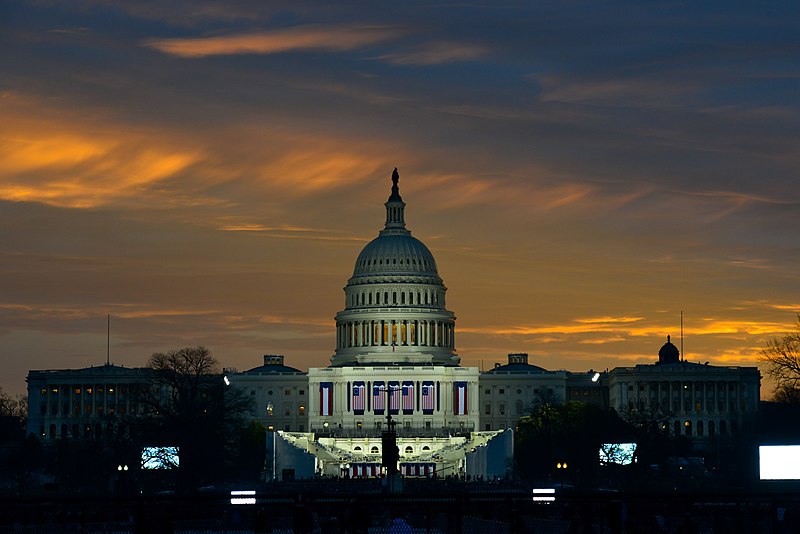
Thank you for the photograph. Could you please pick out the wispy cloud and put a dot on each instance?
(288, 232)
(607, 319)
(623, 328)
(436, 53)
(311, 37)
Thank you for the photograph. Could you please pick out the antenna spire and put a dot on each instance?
(108, 339)
(683, 356)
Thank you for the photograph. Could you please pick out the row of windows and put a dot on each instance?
(80, 430)
(76, 407)
(286, 392)
(687, 405)
(519, 408)
(370, 298)
(696, 385)
(86, 390)
(502, 391)
(698, 428)
(376, 262)
(287, 409)
(395, 333)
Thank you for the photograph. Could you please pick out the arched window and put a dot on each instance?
(394, 297)
(402, 297)
(411, 298)
(370, 299)
(711, 430)
(426, 448)
(723, 429)
(699, 428)
(357, 448)
(374, 450)
(409, 450)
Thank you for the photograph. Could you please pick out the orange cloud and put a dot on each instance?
(50, 157)
(606, 319)
(621, 328)
(334, 38)
(83, 159)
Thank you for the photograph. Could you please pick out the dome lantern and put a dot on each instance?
(395, 210)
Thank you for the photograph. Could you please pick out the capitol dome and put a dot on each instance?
(395, 301)
(395, 254)
(668, 353)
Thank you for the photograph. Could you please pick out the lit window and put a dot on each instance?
(302, 410)
(271, 428)
(77, 391)
(270, 408)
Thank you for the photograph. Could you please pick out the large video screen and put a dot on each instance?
(779, 462)
(160, 458)
(617, 453)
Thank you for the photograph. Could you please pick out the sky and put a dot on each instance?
(583, 171)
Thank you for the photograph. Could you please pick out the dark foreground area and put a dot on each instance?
(443, 509)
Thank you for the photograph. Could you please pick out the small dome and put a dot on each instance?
(390, 254)
(669, 353)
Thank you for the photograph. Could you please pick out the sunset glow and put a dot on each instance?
(208, 176)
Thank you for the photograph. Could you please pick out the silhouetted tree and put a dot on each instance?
(781, 357)
(786, 395)
(13, 406)
(555, 433)
(188, 404)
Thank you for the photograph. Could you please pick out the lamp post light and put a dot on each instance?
(597, 379)
(561, 471)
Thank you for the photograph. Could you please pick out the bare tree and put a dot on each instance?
(189, 405)
(781, 357)
(13, 406)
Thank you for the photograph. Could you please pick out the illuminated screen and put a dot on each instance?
(617, 453)
(160, 457)
(779, 462)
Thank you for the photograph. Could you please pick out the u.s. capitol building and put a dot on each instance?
(395, 355)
